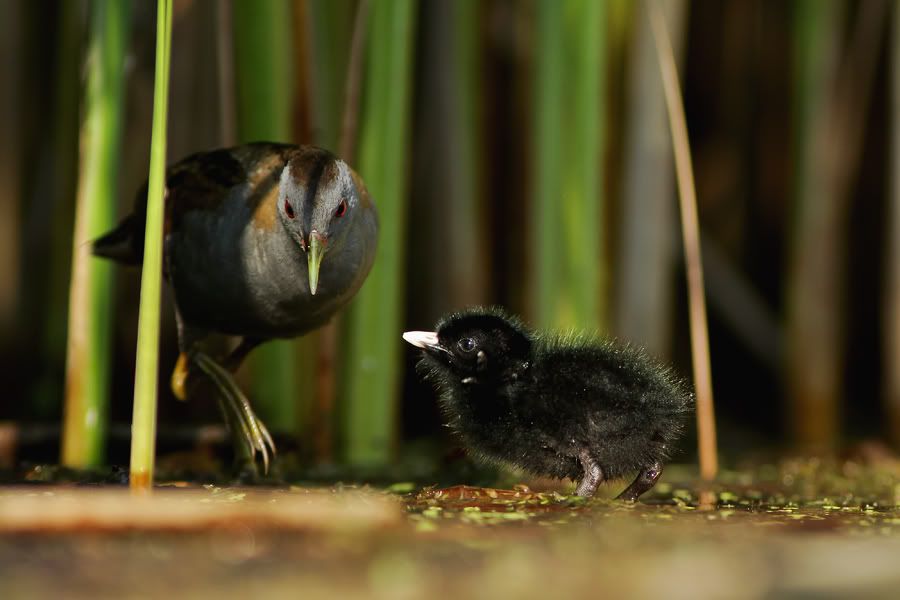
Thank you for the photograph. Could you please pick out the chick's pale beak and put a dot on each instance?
(314, 256)
(427, 340)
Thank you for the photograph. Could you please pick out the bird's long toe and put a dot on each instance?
(239, 413)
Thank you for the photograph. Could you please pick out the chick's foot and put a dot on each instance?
(593, 475)
(645, 480)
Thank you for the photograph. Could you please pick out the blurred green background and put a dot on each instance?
(519, 154)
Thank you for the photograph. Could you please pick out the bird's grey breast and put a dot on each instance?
(233, 271)
(236, 269)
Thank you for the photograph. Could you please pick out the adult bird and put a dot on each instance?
(261, 241)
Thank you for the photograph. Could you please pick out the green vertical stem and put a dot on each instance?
(143, 428)
(265, 92)
(90, 294)
(567, 161)
(262, 53)
(547, 164)
(371, 351)
(891, 309)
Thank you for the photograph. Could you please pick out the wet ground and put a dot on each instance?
(801, 529)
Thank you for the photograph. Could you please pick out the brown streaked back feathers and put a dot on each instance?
(202, 181)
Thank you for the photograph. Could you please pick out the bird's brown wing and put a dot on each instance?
(199, 182)
(202, 181)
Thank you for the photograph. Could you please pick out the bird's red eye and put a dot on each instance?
(288, 209)
(341, 209)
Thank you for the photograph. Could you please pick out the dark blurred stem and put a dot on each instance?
(225, 60)
(892, 260)
(706, 426)
(11, 23)
(830, 111)
(347, 145)
(447, 168)
(327, 29)
(648, 250)
(48, 210)
(328, 335)
(306, 348)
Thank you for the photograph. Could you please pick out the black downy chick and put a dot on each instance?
(560, 406)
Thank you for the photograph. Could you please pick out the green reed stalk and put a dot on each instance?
(265, 93)
(90, 295)
(567, 162)
(372, 324)
(143, 429)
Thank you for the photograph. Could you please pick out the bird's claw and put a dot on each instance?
(238, 411)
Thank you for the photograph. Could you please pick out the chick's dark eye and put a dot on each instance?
(466, 344)
(341, 209)
(288, 210)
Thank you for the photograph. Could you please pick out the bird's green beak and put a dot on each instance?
(314, 259)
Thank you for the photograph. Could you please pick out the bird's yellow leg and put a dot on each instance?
(179, 377)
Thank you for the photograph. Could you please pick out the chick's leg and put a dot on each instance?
(645, 480)
(593, 475)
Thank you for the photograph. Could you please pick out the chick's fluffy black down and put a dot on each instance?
(542, 400)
